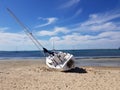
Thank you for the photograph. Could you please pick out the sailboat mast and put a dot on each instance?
(26, 29)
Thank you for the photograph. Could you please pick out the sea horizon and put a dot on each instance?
(66, 49)
(78, 53)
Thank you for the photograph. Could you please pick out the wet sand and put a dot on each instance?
(35, 75)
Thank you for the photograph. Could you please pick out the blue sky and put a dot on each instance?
(70, 24)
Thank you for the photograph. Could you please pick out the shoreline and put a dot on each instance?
(81, 57)
(89, 62)
(28, 62)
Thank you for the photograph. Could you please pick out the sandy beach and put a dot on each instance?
(35, 75)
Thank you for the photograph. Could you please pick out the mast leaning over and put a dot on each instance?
(34, 40)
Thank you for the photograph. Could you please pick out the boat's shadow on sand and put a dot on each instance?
(76, 70)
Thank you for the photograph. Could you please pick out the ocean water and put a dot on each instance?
(90, 53)
(80, 56)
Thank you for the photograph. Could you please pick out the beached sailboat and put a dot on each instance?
(57, 60)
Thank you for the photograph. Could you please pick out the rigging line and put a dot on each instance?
(34, 40)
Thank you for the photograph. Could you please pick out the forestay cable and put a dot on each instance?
(29, 34)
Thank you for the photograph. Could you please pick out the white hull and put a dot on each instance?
(61, 61)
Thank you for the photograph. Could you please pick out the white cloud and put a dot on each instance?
(11, 38)
(3, 29)
(54, 32)
(78, 12)
(101, 17)
(69, 3)
(105, 26)
(110, 35)
(9, 41)
(50, 20)
(55, 38)
(109, 39)
(102, 40)
(100, 22)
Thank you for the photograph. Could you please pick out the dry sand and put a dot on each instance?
(34, 75)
